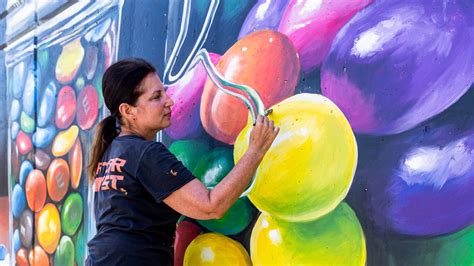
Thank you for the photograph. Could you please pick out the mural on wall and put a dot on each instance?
(388, 94)
(55, 100)
(374, 163)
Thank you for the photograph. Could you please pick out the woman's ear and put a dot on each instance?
(127, 111)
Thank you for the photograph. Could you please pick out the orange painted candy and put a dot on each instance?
(38, 257)
(57, 179)
(35, 189)
(22, 257)
(264, 60)
(75, 160)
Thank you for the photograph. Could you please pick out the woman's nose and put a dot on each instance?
(169, 101)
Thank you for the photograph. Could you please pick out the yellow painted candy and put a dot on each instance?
(215, 249)
(69, 61)
(310, 166)
(64, 141)
(334, 239)
(48, 228)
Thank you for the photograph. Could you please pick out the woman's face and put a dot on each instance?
(153, 107)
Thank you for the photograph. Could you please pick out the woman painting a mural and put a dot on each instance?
(140, 187)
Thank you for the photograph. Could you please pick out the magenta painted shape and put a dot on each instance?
(312, 25)
(65, 107)
(186, 95)
(87, 107)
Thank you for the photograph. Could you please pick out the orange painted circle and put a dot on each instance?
(75, 160)
(57, 179)
(22, 257)
(38, 257)
(35, 189)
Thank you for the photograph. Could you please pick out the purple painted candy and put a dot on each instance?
(186, 94)
(65, 107)
(42, 159)
(398, 63)
(266, 14)
(421, 182)
(312, 25)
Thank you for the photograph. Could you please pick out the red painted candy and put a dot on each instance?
(264, 60)
(65, 107)
(57, 179)
(87, 107)
(23, 143)
(186, 232)
(35, 189)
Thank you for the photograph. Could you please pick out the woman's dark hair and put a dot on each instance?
(120, 84)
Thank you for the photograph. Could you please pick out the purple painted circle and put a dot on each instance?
(398, 63)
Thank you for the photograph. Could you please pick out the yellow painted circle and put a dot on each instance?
(310, 166)
(215, 249)
(48, 228)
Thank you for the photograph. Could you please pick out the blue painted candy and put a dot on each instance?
(3, 252)
(43, 136)
(25, 168)
(15, 110)
(18, 79)
(18, 201)
(29, 93)
(47, 105)
(15, 129)
(16, 241)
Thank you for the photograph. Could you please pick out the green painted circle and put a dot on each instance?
(452, 249)
(71, 215)
(189, 151)
(64, 254)
(80, 247)
(214, 166)
(236, 219)
(27, 123)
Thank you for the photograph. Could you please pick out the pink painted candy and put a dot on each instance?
(87, 107)
(23, 143)
(186, 95)
(65, 107)
(312, 25)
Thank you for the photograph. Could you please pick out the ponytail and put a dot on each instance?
(120, 84)
(106, 131)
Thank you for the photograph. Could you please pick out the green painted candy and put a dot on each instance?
(80, 247)
(236, 219)
(214, 166)
(453, 249)
(27, 123)
(64, 255)
(43, 58)
(98, 86)
(71, 215)
(80, 83)
(189, 151)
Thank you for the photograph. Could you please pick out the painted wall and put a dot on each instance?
(373, 165)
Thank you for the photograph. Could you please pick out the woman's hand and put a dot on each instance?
(196, 201)
(262, 136)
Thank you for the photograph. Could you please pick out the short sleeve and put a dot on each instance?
(160, 172)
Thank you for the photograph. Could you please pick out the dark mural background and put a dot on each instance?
(374, 163)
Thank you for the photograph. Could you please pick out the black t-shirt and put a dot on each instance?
(134, 226)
